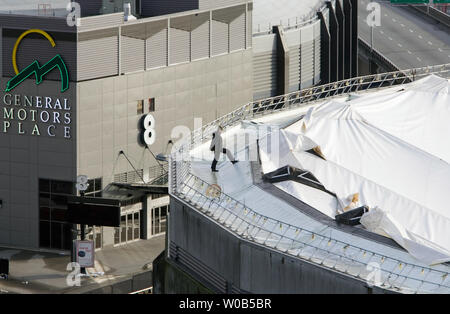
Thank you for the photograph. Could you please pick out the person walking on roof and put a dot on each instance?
(217, 147)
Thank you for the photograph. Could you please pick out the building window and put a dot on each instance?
(151, 105)
(95, 188)
(54, 231)
(140, 107)
(130, 228)
(95, 234)
(159, 219)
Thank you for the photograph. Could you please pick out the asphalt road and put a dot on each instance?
(406, 37)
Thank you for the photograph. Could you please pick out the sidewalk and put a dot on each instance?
(38, 272)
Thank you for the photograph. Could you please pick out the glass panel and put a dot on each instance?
(98, 237)
(123, 229)
(98, 184)
(58, 201)
(67, 236)
(58, 214)
(89, 233)
(56, 235)
(44, 185)
(90, 187)
(116, 235)
(156, 227)
(44, 199)
(163, 212)
(137, 226)
(62, 187)
(44, 234)
(163, 219)
(130, 227)
(44, 213)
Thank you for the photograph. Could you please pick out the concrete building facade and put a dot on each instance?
(175, 68)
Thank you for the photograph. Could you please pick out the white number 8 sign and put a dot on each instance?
(149, 130)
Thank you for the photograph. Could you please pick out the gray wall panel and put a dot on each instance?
(211, 4)
(249, 25)
(35, 47)
(219, 38)
(317, 53)
(307, 64)
(237, 33)
(294, 68)
(157, 49)
(200, 41)
(101, 21)
(133, 54)
(180, 46)
(98, 58)
(265, 66)
(26, 22)
(265, 74)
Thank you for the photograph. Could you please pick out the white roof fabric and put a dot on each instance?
(393, 149)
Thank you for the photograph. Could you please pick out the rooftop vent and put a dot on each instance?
(127, 12)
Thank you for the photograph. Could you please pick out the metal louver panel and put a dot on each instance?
(129, 177)
(133, 54)
(157, 49)
(307, 65)
(307, 56)
(250, 26)
(294, 68)
(265, 74)
(200, 41)
(1, 52)
(98, 58)
(219, 38)
(180, 46)
(317, 53)
(237, 33)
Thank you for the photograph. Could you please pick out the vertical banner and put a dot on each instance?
(85, 253)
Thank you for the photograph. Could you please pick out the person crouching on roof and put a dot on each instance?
(217, 147)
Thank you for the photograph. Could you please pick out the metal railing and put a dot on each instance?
(247, 223)
(305, 244)
(378, 56)
(315, 94)
(298, 21)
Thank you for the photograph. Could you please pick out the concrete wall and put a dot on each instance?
(301, 66)
(254, 268)
(108, 118)
(24, 158)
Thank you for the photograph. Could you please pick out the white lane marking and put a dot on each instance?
(390, 38)
(440, 50)
(402, 25)
(411, 31)
(430, 43)
(381, 32)
(420, 37)
(394, 20)
(419, 59)
(410, 52)
(386, 15)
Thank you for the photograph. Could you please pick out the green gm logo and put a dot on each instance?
(35, 68)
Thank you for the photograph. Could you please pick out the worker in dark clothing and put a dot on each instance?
(217, 147)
